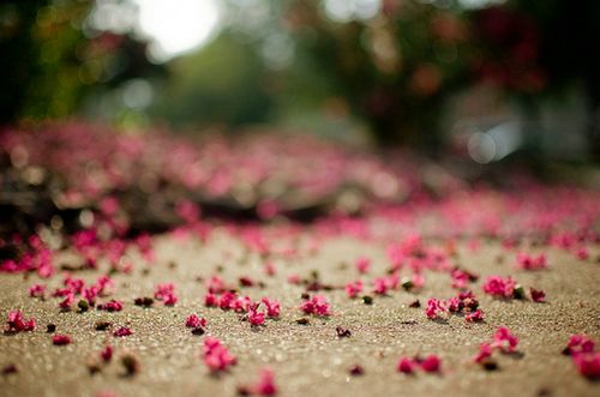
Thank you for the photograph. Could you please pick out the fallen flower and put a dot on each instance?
(588, 364)
(266, 384)
(363, 265)
(105, 285)
(582, 253)
(354, 288)
(61, 340)
(537, 295)
(111, 306)
(166, 293)
(476, 316)
(193, 321)
(273, 307)
(505, 340)
(90, 294)
(579, 344)
(256, 318)
(485, 351)
(380, 286)
(17, 323)
(406, 365)
(317, 305)
(107, 353)
(123, 331)
(215, 285)
(227, 300)
(37, 290)
(216, 356)
(211, 300)
(500, 287)
(434, 307)
(67, 302)
(530, 262)
(431, 363)
(241, 304)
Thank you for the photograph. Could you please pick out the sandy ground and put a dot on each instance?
(307, 359)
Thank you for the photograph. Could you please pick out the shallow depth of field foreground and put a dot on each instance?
(169, 275)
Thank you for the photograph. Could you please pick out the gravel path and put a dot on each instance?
(306, 359)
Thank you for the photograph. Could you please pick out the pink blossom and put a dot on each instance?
(61, 292)
(216, 356)
(45, 270)
(266, 384)
(111, 306)
(255, 317)
(105, 285)
(530, 262)
(211, 300)
(90, 294)
(363, 265)
(269, 268)
(61, 340)
(454, 304)
(188, 211)
(317, 305)
(170, 300)
(107, 353)
(431, 363)
(406, 365)
(67, 302)
(166, 293)
(241, 304)
(354, 288)
(537, 295)
(193, 321)
(485, 351)
(580, 344)
(460, 279)
(17, 323)
(588, 364)
(476, 316)
(417, 280)
(144, 245)
(434, 307)
(74, 284)
(498, 286)
(123, 331)
(582, 253)
(505, 340)
(37, 290)
(380, 286)
(227, 299)
(272, 306)
(215, 285)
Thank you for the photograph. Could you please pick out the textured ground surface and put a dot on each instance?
(308, 359)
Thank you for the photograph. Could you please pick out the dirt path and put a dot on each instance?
(307, 359)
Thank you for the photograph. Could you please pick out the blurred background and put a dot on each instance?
(480, 80)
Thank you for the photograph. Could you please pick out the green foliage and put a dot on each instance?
(41, 74)
(224, 82)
